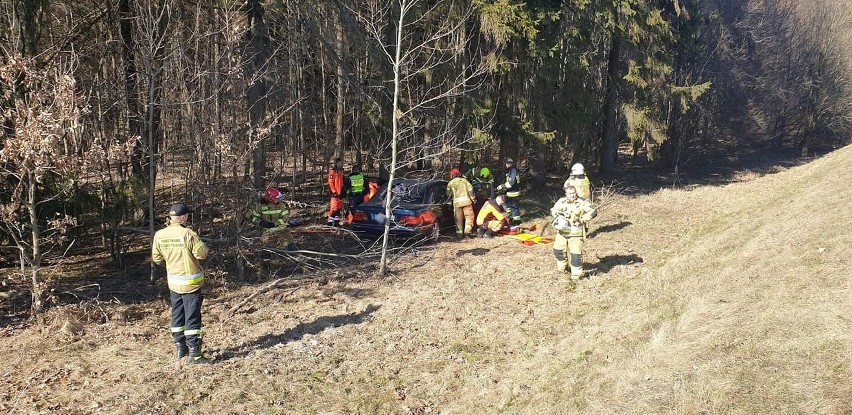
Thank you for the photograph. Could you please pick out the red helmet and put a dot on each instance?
(273, 195)
(455, 173)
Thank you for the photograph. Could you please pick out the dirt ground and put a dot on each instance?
(448, 330)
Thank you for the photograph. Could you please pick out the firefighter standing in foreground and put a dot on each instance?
(512, 186)
(570, 215)
(181, 250)
(462, 193)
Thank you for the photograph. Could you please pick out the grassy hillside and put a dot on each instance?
(707, 299)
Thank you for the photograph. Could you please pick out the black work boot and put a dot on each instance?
(480, 232)
(181, 351)
(197, 358)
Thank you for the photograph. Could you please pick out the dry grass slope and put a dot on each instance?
(730, 299)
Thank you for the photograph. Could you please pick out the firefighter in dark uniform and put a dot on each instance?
(512, 187)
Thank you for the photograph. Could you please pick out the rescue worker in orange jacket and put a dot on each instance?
(336, 180)
(492, 218)
(372, 190)
(462, 193)
(570, 215)
(180, 249)
(271, 214)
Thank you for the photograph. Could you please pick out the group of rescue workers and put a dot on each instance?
(180, 249)
(501, 214)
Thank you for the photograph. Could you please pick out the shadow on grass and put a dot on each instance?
(474, 252)
(298, 332)
(609, 262)
(608, 228)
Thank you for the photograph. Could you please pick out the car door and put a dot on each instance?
(439, 201)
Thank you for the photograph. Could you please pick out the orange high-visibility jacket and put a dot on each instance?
(335, 181)
(373, 190)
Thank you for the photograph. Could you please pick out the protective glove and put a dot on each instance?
(266, 224)
(500, 188)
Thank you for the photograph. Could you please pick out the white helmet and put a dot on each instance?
(578, 169)
(560, 223)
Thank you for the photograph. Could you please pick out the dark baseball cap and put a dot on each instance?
(509, 161)
(179, 209)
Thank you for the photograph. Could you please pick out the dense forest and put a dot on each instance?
(102, 100)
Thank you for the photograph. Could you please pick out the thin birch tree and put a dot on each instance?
(423, 46)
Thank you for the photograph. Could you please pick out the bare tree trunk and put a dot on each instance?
(131, 78)
(609, 137)
(37, 305)
(256, 37)
(338, 121)
(383, 262)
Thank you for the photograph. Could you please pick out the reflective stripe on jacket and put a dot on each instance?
(278, 214)
(513, 182)
(356, 183)
(460, 189)
(181, 250)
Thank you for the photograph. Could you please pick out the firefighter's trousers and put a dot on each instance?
(464, 219)
(569, 251)
(186, 318)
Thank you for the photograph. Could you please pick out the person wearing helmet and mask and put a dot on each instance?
(492, 218)
(271, 214)
(570, 214)
(462, 193)
(580, 182)
(512, 187)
